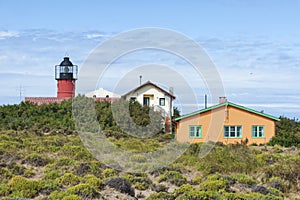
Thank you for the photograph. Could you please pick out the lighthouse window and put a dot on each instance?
(66, 70)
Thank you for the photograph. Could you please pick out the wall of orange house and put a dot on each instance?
(213, 123)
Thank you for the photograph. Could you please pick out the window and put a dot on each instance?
(258, 131)
(146, 101)
(195, 132)
(132, 98)
(162, 101)
(232, 131)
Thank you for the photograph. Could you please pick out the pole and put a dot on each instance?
(140, 79)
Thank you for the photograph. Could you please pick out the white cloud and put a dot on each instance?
(94, 35)
(8, 34)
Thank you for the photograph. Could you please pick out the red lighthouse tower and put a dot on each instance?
(66, 75)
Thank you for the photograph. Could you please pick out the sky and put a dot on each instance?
(255, 46)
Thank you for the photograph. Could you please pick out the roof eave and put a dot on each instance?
(226, 104)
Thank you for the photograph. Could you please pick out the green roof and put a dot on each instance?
(226, 104)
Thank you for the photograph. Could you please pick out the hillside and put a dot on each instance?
(42, 157)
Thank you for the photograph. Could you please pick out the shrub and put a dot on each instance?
(83, 190)
(51, 175)
(229, 159)
(109, 172)
(244, 179)
(5, 174)
(57, 195)
(17, 169)
(68, 179)
(275, 192)
(72, 197)
(4, 189)
(65, 162)
(213, 185)
(197, 180)
(47, 187)
(29, 173)
(92, 180)
(23, 187)
(277, 183)
(159, 188)
(249, 196)
(161, 195)
(121, 185)
(215, 182)
(186, 191)
(139, 181)
(173, 177)
(36, 160)
(285, 139)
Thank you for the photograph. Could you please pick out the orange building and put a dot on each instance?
(227, 123)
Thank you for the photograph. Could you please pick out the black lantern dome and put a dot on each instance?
(66, 62)
(66, 70)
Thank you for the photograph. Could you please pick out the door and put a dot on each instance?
(146, 101)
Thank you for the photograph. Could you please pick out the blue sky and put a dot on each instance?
(254, 44)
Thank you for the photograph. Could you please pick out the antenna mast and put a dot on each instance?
(140, 79)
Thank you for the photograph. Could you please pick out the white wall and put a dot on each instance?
(157, 94)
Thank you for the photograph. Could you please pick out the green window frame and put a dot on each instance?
(258, 131)
(232, 131)
(195, 131)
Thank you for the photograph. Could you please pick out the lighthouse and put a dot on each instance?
(66, 75)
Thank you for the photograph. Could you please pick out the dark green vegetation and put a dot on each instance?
(287, 133)
(42, 157)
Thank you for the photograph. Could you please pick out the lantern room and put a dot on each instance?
(66, 75)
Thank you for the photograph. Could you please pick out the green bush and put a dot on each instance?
(285, 139)
(36, 160)
(4, 190)
(244, 179)
(68, 179)
(173, 177)
(5, 174)
(92, 180)
(17, 169)
(52, 175)
(287, 133)
(186, 191)
(23, 187)
(214, 185)
(47, 187)
(121, 185)
(215, 182)
(72, 197)
(108, 173)
(139, 181)
(161, 195)
(29, 173)
(57, 195)
(83, 190)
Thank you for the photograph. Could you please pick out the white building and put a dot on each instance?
(152, 95)
(102, 93)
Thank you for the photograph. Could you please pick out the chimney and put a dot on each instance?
(222, 100)
(205, 101)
